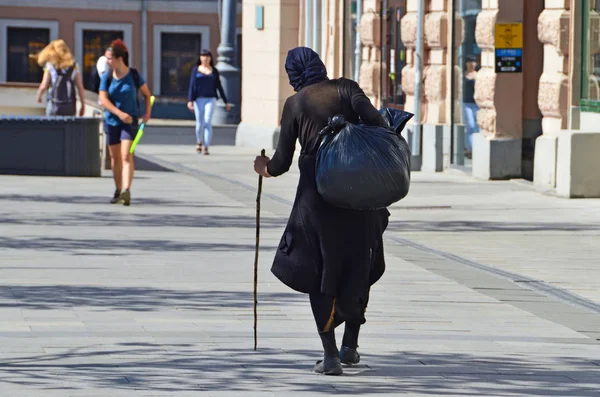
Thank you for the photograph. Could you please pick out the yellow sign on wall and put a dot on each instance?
(509, 35)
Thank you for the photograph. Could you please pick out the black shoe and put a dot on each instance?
(125, 197)
(116, 196)
(349, 356)
(329, 366)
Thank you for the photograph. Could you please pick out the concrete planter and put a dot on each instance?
(57, 146)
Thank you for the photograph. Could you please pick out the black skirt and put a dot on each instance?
(329, 250)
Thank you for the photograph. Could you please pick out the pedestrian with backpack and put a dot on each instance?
(61, 76)
(119, 95)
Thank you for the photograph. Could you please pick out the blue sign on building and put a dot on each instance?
(509, 60)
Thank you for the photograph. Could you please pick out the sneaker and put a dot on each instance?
(349, 356)
(116, 196)
(125, 197)
(329, 366)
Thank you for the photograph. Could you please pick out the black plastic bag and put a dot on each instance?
(364, 167)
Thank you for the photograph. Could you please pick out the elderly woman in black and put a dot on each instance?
(331, 253)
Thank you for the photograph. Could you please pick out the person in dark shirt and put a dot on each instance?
(331, 253)
(202, 97)
(470, 107)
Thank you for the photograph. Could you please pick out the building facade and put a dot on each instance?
(509, 86)
(164, 38)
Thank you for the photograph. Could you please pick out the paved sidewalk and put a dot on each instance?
(156, 299)
(504, 224)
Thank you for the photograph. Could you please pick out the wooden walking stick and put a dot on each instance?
(260, 178)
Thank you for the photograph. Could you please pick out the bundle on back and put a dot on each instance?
(364, 167)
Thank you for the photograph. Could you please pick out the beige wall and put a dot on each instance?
(554, 34)
(370, 35)
(513, 96)
(499, 96)
(533, 59)
(435, 68)
(166, 18)
(265, 84)
(409, 38)
(67, 18)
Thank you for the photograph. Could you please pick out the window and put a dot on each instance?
(95, 43)
(23, 44)
(92, 39)
(590, 74)
(178, 56)
(175, 53)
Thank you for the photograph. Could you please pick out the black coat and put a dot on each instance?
(326, 249)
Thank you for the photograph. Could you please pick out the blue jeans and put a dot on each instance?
(203, 109)
(470, 119)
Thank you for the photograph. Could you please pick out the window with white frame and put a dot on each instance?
(176, 53)
(178, 57)
(23, 45)
(95, 43)
(91, 41)
(20, 42)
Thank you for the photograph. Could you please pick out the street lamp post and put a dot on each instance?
(230, 73)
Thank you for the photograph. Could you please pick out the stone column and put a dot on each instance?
(434, 103)
(370, 35)
(436, 81)
(408, 35)
(553, 94)
(332, 53)
(497, 148)
(265, 85)
(437, 61)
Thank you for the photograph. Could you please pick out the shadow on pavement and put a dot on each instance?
(145, 165)
(106, 218)
(119, 247)
(124, 219)
(483, 226)
(103, 200)
(138, 299)
(181, 367)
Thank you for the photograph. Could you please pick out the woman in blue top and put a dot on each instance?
(202, 97)
(118, 95)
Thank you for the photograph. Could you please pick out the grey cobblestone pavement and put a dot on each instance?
(492, 289)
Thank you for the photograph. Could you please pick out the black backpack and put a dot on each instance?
(96, 83)
(63, 97)
(136, 81)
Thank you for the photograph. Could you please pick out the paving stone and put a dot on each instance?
(156, 299)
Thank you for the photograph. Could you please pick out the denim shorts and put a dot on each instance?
(123, 132)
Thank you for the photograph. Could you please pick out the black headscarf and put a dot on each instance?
(304, 67)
